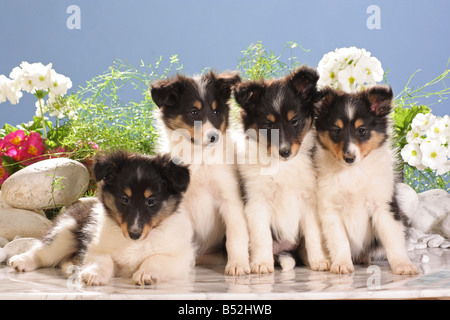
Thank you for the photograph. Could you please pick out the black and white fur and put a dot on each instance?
(280, 193)
(133, 228)
(356, 180)
(195, 115)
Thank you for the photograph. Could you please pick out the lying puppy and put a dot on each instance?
(356, 180)
(133, 228)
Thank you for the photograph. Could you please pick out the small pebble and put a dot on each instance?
(420, 245)
(436, 241)
(3, 255)
(424, 258)
(410, 247)
(445, 244)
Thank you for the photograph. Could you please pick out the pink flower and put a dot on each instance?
(14, 139)
(3, 174)
(2, 145)
(12, 152)
(32, 149)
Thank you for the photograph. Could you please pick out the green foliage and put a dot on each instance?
(115, 109)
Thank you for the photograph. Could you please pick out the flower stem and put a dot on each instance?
(42, 115)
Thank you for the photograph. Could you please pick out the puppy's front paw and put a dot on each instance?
(342, 267)
(93, 278)
(320, 265)
(237, 268)
(144, 278)
(261, 267)
(23, 263)
(404, 268)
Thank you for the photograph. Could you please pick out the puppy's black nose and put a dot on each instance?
(349, 160)
(213, 137)
(285, 153)
(134, 235)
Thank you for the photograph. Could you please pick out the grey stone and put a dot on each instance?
(21, 222)
(46, 183)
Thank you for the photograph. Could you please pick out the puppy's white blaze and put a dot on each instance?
(350, 109)
(139, 173)
(135, 226)
(278, 101)
(354, 150)
(201, 85)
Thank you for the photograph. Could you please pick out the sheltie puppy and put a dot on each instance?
(356, 180)
(195, 115)
(133, 228)
(280, 181)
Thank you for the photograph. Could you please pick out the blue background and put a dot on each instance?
(414, 35)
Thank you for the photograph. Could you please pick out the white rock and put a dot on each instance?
(59, 181)
(445, 226)
(3, 255)
(19, 246)
(407, 198)
(445, 244)
(420, 245)
(436, 241)
(434, 205)
(20, 222)
(410, 247)
(3, 203)
(424, 258)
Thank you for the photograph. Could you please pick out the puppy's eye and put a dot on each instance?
(269, 125)
(194, 112)
(362, 131)
(125, 199)
(151, 202)
(336, 131)
(294, 122)
(216, 112)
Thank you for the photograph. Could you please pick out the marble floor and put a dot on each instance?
(209, 283)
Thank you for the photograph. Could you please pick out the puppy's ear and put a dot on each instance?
(380, 99)
(225, 82)
(326, 98)
(248, 94)
(177, 175)
(107, 166)
(304, 80)
(167, 92)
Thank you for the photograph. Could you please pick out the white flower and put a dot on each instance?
(9, 89)
(32, 77)
(412, 154)
(437, 131)
(415, 135)
(446, 128)
(423, 121)
(434, 154)
(59, 84)
(349, 69)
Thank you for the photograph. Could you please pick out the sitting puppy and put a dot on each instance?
(356, 180)
(133, 228)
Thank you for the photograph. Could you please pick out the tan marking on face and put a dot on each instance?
(375, 141)
(198, 104)
(358, 123)
(271, 117)
(128, 192)
(214, 105)
(147, 193)
(178, 123)
(335, 148)
(339, 123)
(290, 115)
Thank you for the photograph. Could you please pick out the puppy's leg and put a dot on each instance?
(236, 231)
(56, 246)
(261, 253)
(336, 240)
(97, 269)
(161, 268)
(391, 234)
(310, 226)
